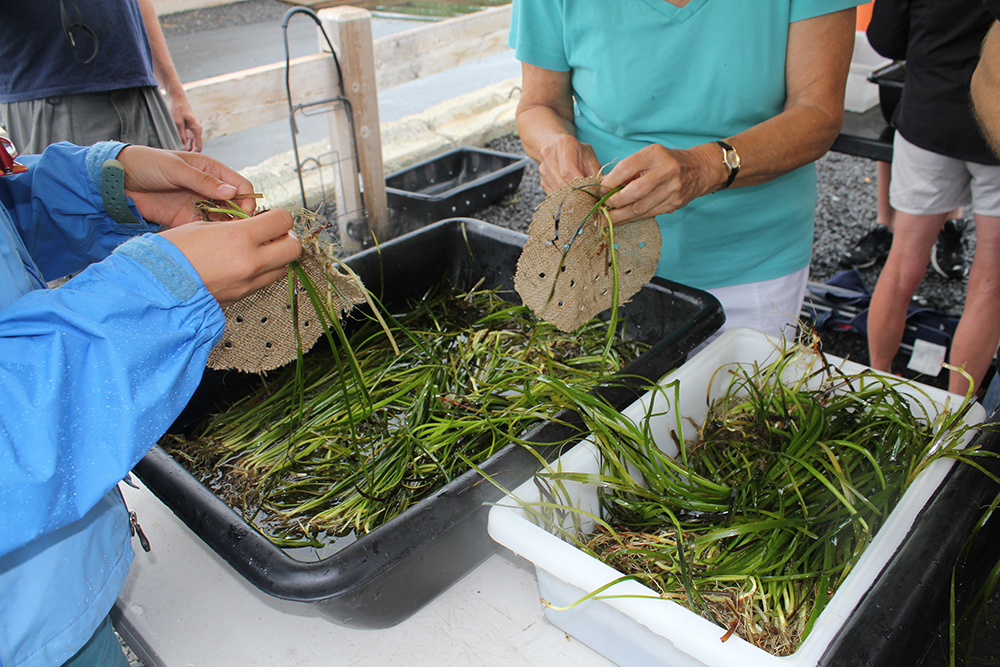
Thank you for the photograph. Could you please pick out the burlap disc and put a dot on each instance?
(565, 275)
(260, 330)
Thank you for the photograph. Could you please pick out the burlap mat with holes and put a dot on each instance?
(564, 273)
(260, 330)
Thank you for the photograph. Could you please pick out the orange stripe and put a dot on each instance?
(864, 16)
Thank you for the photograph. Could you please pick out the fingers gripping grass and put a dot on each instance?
(351, 436)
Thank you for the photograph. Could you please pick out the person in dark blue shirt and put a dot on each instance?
(90, 70)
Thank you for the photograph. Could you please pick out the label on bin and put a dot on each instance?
(927, 357)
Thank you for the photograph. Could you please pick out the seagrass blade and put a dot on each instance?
(261, 328)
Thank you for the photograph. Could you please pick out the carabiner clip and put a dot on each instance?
(8, 165)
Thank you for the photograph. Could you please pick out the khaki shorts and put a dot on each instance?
(131, 115)
(927, 183)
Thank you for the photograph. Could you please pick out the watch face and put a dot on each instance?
(732, 159)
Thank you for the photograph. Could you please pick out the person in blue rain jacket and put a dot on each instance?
(93, 373)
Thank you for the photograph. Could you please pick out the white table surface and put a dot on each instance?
(183, 606)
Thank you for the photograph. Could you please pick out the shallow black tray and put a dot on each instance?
(455, 184)
(387, 575)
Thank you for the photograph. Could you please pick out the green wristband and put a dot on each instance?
(113, 193)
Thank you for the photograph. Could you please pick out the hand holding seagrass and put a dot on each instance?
(576, 265)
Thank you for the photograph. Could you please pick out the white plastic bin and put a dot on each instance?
(861, 93)
(635, 632)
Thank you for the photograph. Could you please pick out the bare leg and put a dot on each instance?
(873, 244)
(912, 241)
(886, 214)
(978, 331)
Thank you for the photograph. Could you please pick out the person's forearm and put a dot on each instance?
(128, 353)
(188, 127)
(545, 123)
(163, 65)
(65, 218)
(794, 138)
(986, 88)
(539, 126)
(819, 60)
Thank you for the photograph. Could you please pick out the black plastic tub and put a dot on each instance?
(890, 80)
(455, 184)
(388, 574)
(903, 619)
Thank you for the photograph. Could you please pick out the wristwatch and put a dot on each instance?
(731, 159)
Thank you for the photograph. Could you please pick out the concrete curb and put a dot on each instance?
(173, 6)
(473, 119)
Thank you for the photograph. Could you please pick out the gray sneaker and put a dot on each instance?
(869, 249)
(948, 256)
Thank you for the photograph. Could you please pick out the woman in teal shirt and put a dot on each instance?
(687, 98)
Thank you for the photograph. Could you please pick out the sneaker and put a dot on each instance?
(948, 256)
(869, 249)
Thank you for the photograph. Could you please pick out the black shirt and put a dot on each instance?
(994, 7)
(940, 42)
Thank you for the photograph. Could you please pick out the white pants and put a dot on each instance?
(770, 306)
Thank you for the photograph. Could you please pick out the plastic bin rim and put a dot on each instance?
(520, 163)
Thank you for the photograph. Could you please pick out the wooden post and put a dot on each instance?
(350, 31)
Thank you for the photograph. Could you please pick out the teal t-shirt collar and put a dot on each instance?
(679, 14)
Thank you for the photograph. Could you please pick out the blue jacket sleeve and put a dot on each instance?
(93, 373)
(64, 226)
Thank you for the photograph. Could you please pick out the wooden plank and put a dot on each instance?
(350, 31)
(418, 52)
(252, 97)
(249, 98)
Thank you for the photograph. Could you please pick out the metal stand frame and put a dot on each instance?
(341, 164)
